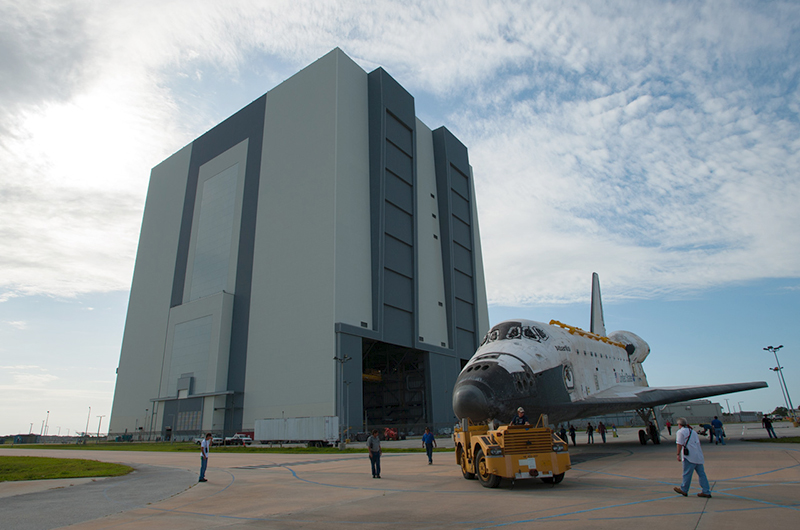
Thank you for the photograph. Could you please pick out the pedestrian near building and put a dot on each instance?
(374, 447)
(589, 433)
(602, 430)
(766, 422)
(718, 431)
(428, 442)
(691, 454)
(205, 447)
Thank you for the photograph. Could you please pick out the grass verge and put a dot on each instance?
(356, 447)
(40, 468)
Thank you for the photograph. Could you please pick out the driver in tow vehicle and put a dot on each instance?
(520, 418)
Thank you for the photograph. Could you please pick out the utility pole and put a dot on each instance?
(728, 405)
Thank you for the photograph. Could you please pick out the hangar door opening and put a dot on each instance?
(393, 380)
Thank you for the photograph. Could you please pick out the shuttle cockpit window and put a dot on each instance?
(511, 330)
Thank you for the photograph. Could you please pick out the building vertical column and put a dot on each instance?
(393, 176)
(454, 190)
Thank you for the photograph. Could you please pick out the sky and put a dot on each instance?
(655, 143)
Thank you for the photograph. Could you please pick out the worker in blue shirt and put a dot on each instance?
(718, 430)
(428, 442)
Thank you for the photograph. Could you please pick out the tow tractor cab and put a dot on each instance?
(511, 451)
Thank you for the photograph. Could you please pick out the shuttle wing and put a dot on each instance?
(645, 397)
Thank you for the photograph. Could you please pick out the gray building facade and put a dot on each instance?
(315, 254)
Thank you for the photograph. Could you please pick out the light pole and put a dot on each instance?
(777, 371)
(740, 410)
(30, 431)
(46, 422)
(341, 360)
(347, 410)
(780, 372)
(86, 431)
(98, 426)
(728, 405)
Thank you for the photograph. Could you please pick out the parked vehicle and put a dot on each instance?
(238, 439)
(316, 431)
(215, 440)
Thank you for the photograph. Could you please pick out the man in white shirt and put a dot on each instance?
(205, 445)
(690, 453)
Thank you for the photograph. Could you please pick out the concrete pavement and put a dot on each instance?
(620, 483)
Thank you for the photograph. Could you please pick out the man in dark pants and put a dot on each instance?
(374, 446)
(429, 442)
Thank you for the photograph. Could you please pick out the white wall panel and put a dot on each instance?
(148, 308)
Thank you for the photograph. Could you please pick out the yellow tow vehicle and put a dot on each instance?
(511, 451)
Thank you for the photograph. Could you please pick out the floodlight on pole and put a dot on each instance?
(777, 371)
(780, 372)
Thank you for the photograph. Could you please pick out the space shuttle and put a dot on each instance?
(565, 372)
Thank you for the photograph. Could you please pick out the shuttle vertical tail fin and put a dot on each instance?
(598, 326)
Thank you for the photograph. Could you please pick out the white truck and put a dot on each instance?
(316, 431)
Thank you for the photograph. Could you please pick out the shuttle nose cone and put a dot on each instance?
(470, 402)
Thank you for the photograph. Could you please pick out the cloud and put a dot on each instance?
(19, 324)
(657, 146)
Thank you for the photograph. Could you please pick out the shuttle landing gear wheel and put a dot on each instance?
(642, 437)
(555, 479)
(462, 459)
(486, 479)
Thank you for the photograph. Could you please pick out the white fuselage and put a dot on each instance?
(544, 368)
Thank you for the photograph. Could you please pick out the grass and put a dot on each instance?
(356, 447)
(39, 467)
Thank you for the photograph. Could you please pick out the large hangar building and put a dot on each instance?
(315, 254)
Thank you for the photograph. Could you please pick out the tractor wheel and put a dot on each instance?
(465, 467)
(486, 479)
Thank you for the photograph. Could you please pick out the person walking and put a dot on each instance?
(691, 454)
(602, 430)
(589, 433)
(563, 433)
(718, 430)
(205, 447)
(428, 442)
(572, 434)
(374, 446)
(668, 425)
(766, 422)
